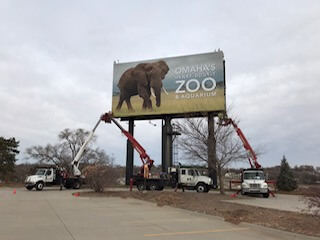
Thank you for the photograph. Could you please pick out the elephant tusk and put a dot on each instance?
(165, 91)
(152, 93)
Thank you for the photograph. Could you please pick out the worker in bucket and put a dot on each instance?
(145, 170)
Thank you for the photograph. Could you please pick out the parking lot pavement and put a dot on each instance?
(53, 214)
(282, 202)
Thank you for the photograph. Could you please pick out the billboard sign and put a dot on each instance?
(169, 86)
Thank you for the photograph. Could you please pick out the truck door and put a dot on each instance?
(183, 176)
(186, 177)
(192, 177)
(49, 176)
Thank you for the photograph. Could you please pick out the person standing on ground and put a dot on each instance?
(63, 177)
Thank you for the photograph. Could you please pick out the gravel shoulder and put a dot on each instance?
(214, 204)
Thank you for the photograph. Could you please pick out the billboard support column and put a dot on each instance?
(166, 144)
(130, 156)
(212, 161)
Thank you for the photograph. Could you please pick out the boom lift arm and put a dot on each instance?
(107, 117)
(76, 160)
(146, 160)
(252, 157)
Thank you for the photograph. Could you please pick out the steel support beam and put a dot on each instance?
(130, 154)
(212, 161)
(166, 144)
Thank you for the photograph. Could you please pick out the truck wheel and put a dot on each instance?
(243, 193)
(29, 187)
(201, 188)
(266, 195)
(76, 185)
(140, 186)
(39, 186)
(153, 186)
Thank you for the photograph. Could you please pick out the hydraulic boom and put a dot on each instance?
(76, 160)
(146, 160)
(253, 180)
(252, 157)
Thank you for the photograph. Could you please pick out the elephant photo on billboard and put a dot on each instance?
(143, 80)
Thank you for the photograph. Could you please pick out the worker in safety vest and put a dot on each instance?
(145, 171)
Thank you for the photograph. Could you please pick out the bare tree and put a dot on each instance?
(194, 143)
(100, 176)
(63, 152)
(72, 140)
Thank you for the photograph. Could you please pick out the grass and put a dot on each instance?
(171, 105)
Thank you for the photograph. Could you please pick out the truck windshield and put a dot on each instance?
(40, 172)
(193, 172)
(197, 173)
(254, 175)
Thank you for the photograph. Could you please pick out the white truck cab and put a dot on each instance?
(43, 177)
(176, 177)
(254, 182)
(49, 176)
(190, 178)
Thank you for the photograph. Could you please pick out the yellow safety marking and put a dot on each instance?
(195, 232)
(137, 213)
(165, 220)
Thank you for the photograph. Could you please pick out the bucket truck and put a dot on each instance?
(55, 175)
(181, 177)
(253, 180)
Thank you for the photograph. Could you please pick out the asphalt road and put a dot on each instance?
(52, 214)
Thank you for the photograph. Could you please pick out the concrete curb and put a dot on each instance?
(278, 234)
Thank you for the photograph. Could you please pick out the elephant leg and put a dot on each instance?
(149, 104)
(129, 104)
(120, 102)
(144, 105)
(145, 94)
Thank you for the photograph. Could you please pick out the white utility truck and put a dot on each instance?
(191, 179)
(253, 180)
(50, 176)
(177, 177)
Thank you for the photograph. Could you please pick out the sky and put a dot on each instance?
(56, 68)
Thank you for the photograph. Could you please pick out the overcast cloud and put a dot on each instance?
(56, 67)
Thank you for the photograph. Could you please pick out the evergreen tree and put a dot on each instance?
(286, 180)
(8, 152)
